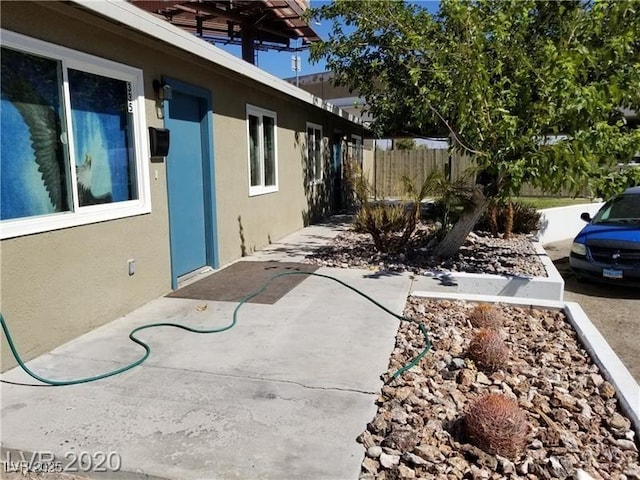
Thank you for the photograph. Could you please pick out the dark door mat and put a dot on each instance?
(235, 282)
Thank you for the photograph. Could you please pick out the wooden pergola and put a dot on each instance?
(262, 24)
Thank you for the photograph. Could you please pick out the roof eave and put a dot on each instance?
(146, 23)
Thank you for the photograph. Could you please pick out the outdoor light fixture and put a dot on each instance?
(162, 90)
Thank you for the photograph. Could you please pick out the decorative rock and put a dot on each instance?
(366, 439)
(391, 451)
(402, 393)
(406, 472)
(370, 465)
(596, 379)
(633, 472)
(507, 466)
(429, 453)
(374, 452)
(457, 363)
(399, 415)
(482, 379)
(414, 459)
(479, 474)
(572, 412)
(556, 467)
(489, 461)
(582, 475)
(497, 377)
(458, 463)
(523, 468)
(536, 444)
(402, 439)
(607, 390)
(379, 425)
(570, 441)
(618, 421)
(389, 461)
(514, 256)
(465, 377)
(626, 445)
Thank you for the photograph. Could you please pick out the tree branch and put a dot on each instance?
(453, 132)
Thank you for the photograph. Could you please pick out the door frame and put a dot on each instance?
(208, 172)
(338, 150)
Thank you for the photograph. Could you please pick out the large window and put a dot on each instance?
(263, 163)
(314, 153)
(73, 146)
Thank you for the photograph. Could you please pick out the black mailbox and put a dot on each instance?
(159, 141)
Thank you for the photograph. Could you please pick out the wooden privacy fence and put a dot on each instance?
(385, 168)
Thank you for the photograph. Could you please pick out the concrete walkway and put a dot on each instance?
(283, 395)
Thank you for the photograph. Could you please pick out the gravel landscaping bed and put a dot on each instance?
(481, 253)
(572, 414)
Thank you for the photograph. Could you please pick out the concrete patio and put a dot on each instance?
(283, 395)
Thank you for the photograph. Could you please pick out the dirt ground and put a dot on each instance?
(613, 309)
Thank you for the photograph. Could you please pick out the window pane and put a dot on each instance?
(33, 167)
(310, 156)
(102, 132)
(254, 149)
(268, 125)
(318, 154)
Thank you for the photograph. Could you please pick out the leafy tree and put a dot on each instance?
(532, 89)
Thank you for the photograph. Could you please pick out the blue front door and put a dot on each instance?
(188, 181)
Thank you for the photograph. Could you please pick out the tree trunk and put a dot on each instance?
(493, 218)
(463, 227)
(508, 224)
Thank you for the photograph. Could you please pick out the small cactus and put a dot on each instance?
(496, 424)
(485, 315)
(488, 350)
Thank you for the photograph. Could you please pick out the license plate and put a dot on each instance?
(611, 273)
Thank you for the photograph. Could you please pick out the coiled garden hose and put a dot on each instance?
(147, 348)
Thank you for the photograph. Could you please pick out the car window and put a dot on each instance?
(621, 209)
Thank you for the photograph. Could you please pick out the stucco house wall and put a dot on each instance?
(58, 284)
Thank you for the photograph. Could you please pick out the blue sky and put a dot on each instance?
(279, 63)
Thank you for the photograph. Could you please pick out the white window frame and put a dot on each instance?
(314, 178)
(262, 189)
(77, 215)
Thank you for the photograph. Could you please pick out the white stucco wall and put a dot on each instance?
(562, 223)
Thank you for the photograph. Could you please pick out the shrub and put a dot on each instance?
(485, 315)
(526, 218)
(387, 224)
(496, 424)
(390, 226)
(488, 350)
(384, 218)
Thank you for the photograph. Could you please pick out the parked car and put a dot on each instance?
(608, 248)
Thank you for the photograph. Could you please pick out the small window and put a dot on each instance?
(263, 163)
(356, 149)
(74, 143)
(315, 162)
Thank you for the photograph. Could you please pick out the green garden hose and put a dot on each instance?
(147, 348)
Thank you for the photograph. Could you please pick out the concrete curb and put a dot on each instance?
(613, 370)
(548, 288)
(609, 363)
